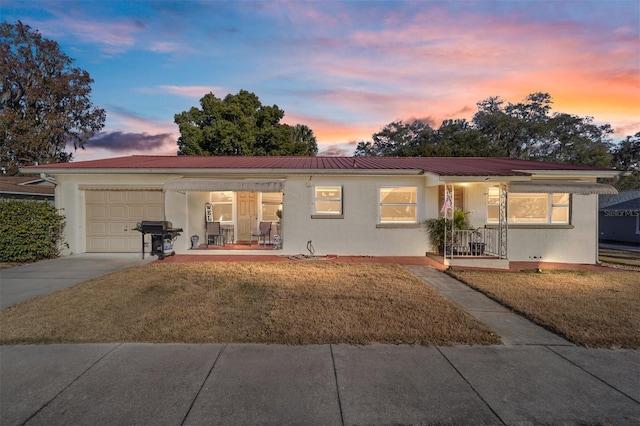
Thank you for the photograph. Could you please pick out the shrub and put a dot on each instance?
(435, 228)
(29, 231)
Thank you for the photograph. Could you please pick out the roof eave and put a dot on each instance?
(220, 171)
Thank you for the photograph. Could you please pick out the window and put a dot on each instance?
(327, 200)
(560, 208)
(534, 208)
(398, 204)
(271, 204)
(222, 206)
(493, 205)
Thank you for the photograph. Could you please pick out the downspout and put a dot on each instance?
(597, 259)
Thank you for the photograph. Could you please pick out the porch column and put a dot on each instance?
(503, 221)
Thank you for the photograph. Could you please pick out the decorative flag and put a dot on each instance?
(447, 201)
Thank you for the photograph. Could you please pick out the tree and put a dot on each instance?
(626, 156)
(576, 140)
(304, 141)
(513, 130)
(240, 125)
(397, 139)
(44, 101)
(458, 138)
(454, 138)
(525, 130)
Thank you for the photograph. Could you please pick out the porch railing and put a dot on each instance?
(474, 243)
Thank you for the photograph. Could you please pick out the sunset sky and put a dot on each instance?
(343, 68)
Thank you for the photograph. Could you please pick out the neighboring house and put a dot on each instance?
(619, 217)
(26, 188)
(369, 206)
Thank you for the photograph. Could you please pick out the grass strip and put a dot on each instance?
(592, 309)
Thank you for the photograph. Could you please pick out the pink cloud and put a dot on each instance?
(627, 128)
(337, 150)
(438, 65)
(193, 91)
(170, 47)
(331, 131)
(113, 36)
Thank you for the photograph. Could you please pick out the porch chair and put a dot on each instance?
(214, 234)
(264, 232)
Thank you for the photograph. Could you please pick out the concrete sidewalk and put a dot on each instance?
(176, 384)
(45, 277)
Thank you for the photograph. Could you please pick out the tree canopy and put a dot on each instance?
(240, 125)
(522, 130)
(44, 101)
(626, 156)
(526, 130)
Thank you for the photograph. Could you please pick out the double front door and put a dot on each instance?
(247, 214)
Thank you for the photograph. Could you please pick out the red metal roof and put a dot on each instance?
(444, 166)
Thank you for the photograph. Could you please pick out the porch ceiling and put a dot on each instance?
(237, 185)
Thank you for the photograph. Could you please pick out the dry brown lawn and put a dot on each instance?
(620, 257)
(287, 303)
(592, 309)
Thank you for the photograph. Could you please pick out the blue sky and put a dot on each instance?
(344, 68)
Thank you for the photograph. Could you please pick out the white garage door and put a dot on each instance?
(112, 217)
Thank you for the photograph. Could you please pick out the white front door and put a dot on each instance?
(247, 214)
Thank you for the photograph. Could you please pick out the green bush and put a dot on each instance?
(29, 231)
(436, 228)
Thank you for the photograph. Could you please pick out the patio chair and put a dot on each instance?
(263, 232)
(214, 234)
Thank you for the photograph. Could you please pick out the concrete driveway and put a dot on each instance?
(42, 278)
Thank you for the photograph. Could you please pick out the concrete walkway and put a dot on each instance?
(512, 328)
(534, 378)
(42, 278)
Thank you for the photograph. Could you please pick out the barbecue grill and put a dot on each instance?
(162, 236)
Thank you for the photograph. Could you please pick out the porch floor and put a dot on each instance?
(238, 245)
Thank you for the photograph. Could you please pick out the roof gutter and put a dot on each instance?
(42, 194)
(488, 178)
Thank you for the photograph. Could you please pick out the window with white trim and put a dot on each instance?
(222, 206)
(327, 200)
(398, 204)
(530, 208)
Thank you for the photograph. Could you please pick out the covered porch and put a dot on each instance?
(226, 215)
(508, 218)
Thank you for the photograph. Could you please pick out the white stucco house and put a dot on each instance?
(371, 206)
